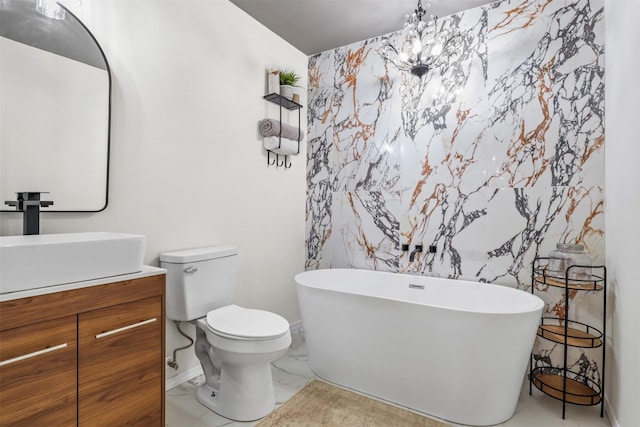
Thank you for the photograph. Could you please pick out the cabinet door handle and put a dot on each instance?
(34, 354)
(125, 328)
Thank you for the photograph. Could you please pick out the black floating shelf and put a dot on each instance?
(282, 101)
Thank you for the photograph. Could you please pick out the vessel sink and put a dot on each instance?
(36, 261)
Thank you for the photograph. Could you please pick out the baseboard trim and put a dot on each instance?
(610, 414)
(189, 374)
(182, 378)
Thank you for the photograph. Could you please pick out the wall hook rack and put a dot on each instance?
(269, 161)
(276, 161)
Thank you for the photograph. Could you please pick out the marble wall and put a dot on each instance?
(493, 159)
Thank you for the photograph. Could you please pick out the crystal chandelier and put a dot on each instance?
(422, 48)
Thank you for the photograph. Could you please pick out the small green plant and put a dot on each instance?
(288, 77)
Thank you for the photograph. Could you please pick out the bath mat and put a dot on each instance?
(322, 404)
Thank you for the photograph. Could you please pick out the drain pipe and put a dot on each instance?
(173, 363)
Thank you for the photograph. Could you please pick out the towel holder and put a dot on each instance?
(276, 98)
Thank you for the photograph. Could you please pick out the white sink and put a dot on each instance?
(28, 262)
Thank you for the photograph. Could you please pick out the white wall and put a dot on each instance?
(187, 166)
(622, 210)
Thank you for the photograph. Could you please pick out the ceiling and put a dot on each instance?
(314, 26)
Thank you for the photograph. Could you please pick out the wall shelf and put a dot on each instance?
(558, 381)
(282, 101)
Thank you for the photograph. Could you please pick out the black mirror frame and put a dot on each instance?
(108, 69)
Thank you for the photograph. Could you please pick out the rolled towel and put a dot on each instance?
(287, 146)
(271, 127)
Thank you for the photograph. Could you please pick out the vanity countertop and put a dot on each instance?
(145, 272)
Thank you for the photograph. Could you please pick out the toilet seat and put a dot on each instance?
(241, 323)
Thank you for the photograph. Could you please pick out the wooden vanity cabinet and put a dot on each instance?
(96, 356)
(38, 374)
(118, 377)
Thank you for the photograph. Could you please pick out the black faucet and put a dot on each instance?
(412, 256)
(29, 203)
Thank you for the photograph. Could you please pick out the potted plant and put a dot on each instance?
(288, 80)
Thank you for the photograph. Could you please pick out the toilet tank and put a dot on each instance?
(199, 280)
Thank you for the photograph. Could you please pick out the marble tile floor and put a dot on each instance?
(292, 372)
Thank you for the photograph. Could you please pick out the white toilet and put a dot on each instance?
(235, 345)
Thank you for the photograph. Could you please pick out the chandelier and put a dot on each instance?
(422, 48)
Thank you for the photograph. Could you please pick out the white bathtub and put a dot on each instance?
(456, 350)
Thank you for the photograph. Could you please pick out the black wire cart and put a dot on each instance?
(560, 382)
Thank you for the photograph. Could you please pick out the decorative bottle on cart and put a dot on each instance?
(566, 255)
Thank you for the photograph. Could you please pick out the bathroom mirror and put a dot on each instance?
(54, 108)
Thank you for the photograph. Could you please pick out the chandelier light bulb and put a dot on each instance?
(436, 49)
(417, 46)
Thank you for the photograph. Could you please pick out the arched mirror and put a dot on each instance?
(55, 88)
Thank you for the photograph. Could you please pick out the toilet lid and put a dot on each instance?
(246, 323)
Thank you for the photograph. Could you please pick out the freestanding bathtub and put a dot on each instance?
(453, 349)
